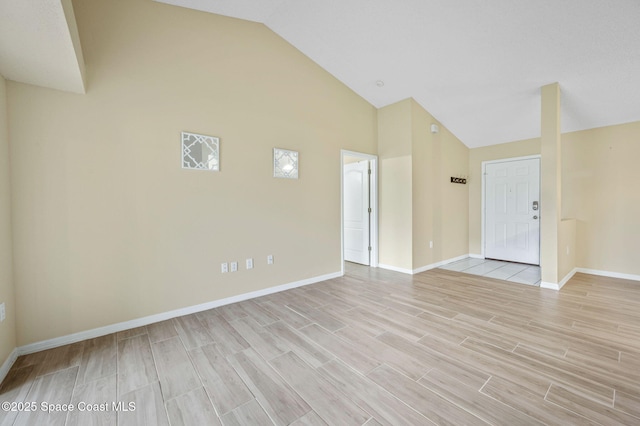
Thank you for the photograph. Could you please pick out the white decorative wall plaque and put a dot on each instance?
(200, 152)
(285, 163)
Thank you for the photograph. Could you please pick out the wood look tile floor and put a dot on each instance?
(373, 347)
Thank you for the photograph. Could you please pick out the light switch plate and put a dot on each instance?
(224, 268)
(270, 259)
(249, 263)
(234, 266)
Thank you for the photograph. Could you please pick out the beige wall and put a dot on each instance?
(566, 248)
(599, 171)
(7, 327)
(418, 204)
(440, 208)
(600, 177)
(109, 228)
(454, 208)
(426, 195)
(476, 157)
(395, 180)
(550, 183)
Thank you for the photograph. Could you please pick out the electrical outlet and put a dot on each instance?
(270, 259)
(3, 313)
(567, 249)
(224, 268)
(234, 266)
(249, 263)
(430, 244)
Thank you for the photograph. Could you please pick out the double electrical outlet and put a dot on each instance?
(224, 267)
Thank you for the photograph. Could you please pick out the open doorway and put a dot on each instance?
(359, 208)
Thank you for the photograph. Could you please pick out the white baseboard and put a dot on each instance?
(422, 268)
(476, 256)
(438, 264)
(567, 278)
(554, 286)
(570, 275)
(549, 286)
(6, 366)
(395, 268)
(139, 322)
(609, 274)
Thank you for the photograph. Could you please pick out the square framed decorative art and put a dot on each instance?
(200, 152)
(285, 163)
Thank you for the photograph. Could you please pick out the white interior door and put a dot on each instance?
(512, 211)
(356, 212)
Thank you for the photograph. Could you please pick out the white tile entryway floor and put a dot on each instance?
(508, 271)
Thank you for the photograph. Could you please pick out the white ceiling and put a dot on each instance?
(39, 44)
(476, 65)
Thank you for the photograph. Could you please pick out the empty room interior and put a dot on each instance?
(308, 213)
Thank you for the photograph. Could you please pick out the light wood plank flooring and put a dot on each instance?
(373, 347)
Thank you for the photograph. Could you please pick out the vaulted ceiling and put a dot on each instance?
(476, 65)
(39, 44)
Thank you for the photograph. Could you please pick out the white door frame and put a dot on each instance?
(373, 202)
(484, 172)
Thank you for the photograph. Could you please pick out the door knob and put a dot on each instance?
(535, 217)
